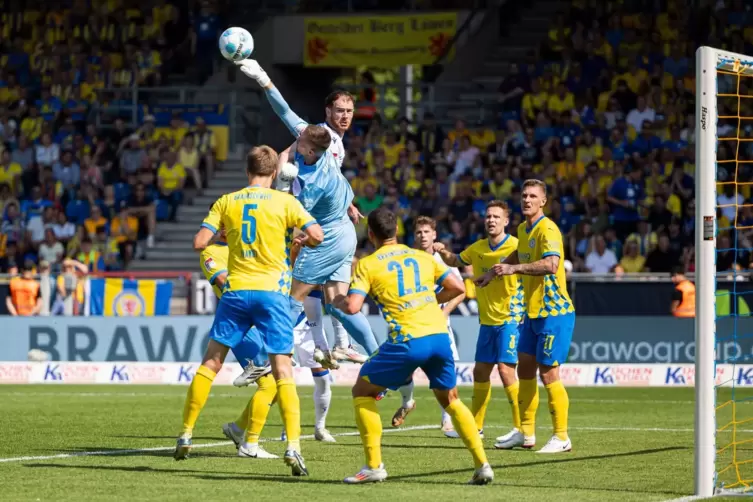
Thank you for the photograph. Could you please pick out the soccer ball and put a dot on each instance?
(236, 44)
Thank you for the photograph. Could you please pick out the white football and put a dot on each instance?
(236, 44)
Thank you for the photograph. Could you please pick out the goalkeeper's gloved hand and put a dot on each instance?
(286, 176)
(252, 69)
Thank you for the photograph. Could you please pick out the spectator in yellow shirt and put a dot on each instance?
(124, 229)
(457, 133)
(188, 157)
(562, 101)
(632, 261)
(94, 221)
(644, 238)
(206, 143)
(176, 131)
(10, 172)
(171, 177)
(569, 169)
(391, 148)
(31, 126)
(535, 100)
(482, 137)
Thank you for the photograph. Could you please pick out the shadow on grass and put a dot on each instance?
(416, 478)
(106, 451)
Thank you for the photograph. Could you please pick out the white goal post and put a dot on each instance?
(709, 63)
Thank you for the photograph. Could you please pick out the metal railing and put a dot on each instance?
(244, 113)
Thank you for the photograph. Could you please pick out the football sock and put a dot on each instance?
(482, 394)
(259, 407)
(559, 405)
(322, 397)
(296, 311)
(512, 392)
(465, 425)
(528, 397)
(357, 326)
(290, 409)
(198, 393)
(407, 392)
(241, 423)
(370, 427)
(342, 339)
(312, 306)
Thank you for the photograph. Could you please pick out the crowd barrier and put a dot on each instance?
(573, 375)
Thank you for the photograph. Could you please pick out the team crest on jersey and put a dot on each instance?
(209, 264)
(128, 304)
(532, 243)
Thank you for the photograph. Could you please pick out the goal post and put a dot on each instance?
(724, 96)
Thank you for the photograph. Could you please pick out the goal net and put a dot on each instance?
(724, 232)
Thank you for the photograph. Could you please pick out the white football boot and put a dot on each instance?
(454, 434)
(326, 359)
(251, 373)
(557, 445)
(233, 433)
(366, 475)
(253, 450)
(324, 436)
(348, 354)
(515, 439)
(482, 476)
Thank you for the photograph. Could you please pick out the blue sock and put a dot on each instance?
(296, 310)
(357, 326)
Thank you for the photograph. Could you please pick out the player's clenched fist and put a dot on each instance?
(438, 247)
(252, 69)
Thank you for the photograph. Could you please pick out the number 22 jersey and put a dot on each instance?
(401, 281)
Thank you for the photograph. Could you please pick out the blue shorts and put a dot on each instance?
(332, 260)
(548, 338)
(268, 311)
(497, 344)
(250, 349)
(392, 366)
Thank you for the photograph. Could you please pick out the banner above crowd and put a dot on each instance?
(380, 41)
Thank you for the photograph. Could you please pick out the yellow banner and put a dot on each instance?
(381, 41)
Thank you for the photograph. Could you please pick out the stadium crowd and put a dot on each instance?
(69, 190)
(604, 114)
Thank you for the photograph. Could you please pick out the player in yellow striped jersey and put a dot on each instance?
(402, 281)
(500, 306)
(548, 328)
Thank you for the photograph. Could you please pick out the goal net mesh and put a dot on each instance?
(734, 248)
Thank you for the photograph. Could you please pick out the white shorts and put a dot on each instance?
(454, 346)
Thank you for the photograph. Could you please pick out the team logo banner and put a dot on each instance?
(383, 41)
(129, 298)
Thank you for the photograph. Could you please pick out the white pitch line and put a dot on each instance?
(200, 445)
(235, 394)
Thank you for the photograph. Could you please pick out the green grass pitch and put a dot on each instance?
(629, 444)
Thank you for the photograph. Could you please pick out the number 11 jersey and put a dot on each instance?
(259, 224)
(402, 281)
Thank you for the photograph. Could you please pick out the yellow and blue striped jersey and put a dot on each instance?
(401, 281)
(545, 295)
(213, 263)
(502, 301)
(259, 225)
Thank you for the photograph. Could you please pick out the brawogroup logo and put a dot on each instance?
(627, 375)
(71, 373)
(15, 373)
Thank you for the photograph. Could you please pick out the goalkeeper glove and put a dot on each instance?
(252, 69)
(286, 176)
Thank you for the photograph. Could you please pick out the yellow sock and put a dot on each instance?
(482, 394)
(465, 425)
(198, 393)
(528, 397)
(290, 409)
(559, 405)
(370, 427)
(242, 421)
(259, 407)
(512, 397)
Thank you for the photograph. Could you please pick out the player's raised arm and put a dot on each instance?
(450, 258)
(252, 69)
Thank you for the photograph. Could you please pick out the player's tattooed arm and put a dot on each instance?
(512, 259)
(545, 266)
(448, 257)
